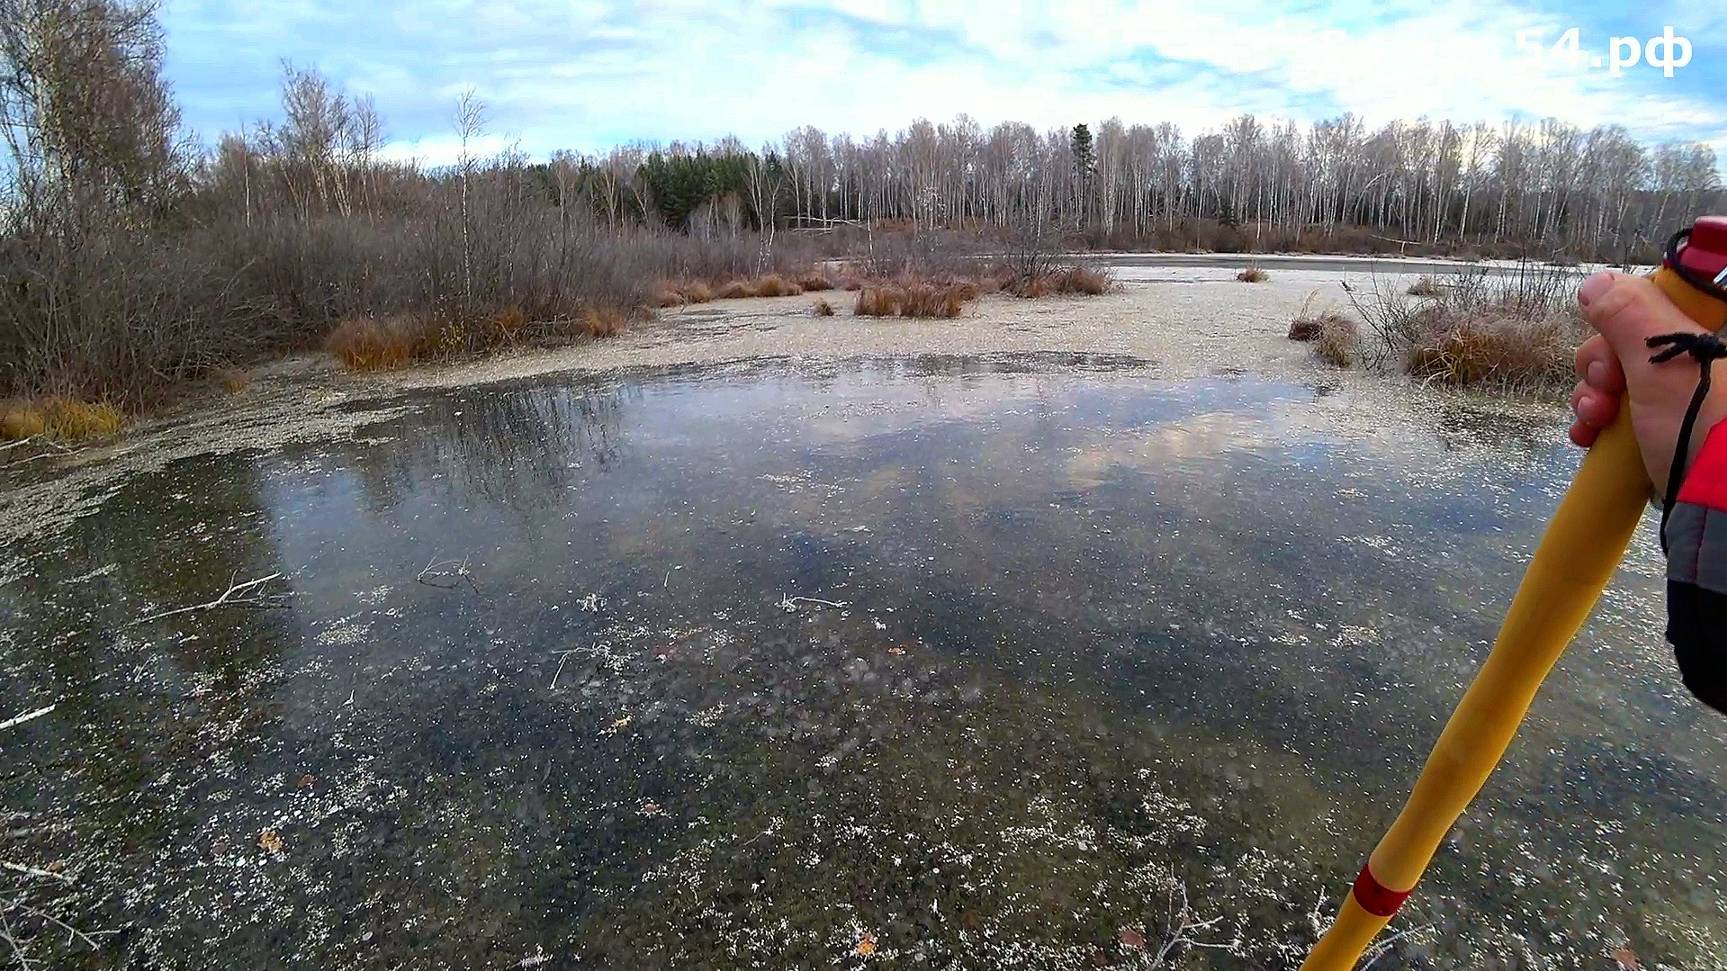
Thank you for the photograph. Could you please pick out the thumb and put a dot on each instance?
(1628, 310)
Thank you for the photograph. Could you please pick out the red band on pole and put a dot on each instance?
(1375, 897)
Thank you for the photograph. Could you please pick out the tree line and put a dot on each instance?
(1544, 188)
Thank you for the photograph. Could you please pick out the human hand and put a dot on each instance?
(1626, 311)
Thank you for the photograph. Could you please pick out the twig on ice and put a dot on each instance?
(1382, 947)
(12, 943)
(8, 904)
(439, 573)
(247, 594)
(1181, 924)
(563, 659)
(27, 716)
(790, 604)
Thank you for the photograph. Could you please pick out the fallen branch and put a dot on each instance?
(245, 594)
(27, 716)
(31, 871)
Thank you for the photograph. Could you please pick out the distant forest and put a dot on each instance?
(1543, 188)
(134, 256)
(1547, 188)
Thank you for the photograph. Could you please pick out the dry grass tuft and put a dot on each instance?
(733, 289)
(1425, 286)
(1308, 326)
(58, 418)
(508, 324)
(1067, 280)
(602, 322)
(1252, 274)
(677, 293)
(914, 298)
(1498, 350)
(822, 309)
(933, 300)
(368, 344)
(1338, 342)
(1514, 331)
(815, 281)
(233, 380)
(774, 285)
(878, 301)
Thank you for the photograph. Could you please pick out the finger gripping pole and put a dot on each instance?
(1577, 555)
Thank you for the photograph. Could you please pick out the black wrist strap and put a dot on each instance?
(1705, 349)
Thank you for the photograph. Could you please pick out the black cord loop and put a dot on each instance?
(1705, 349)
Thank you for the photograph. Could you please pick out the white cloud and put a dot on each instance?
(559, 74)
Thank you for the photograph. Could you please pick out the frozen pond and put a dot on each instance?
(930, 662)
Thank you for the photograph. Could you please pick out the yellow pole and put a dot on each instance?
(1577, 556)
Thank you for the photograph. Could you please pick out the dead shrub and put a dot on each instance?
(1252, 274)
(59, 418)
(822, 309)
(695, 291)
(1425, 286)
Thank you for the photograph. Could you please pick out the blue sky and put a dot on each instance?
(588, 75)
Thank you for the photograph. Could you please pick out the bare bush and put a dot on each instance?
(1513, 332)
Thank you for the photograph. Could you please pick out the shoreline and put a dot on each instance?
(1197, 324)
